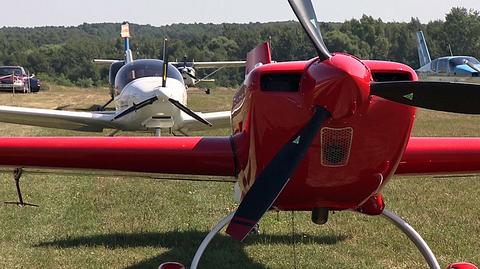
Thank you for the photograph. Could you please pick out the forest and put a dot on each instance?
(64, 55)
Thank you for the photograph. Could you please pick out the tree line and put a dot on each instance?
(64, 54)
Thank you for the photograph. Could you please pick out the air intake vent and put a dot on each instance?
(336, 145)
(280, 82)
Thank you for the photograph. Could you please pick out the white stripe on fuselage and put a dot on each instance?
(142, 89)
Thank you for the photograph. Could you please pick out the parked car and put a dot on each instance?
(14, 78)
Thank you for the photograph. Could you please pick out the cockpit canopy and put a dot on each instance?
(461, 60)
(450, 64)
(144, 68)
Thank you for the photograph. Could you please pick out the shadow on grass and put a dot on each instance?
(182, 246)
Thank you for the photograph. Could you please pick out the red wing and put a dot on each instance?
(206, 156)
(172, 155)
(440, 155)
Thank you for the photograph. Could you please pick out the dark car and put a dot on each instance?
(14, 78)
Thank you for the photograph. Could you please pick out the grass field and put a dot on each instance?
(87, 221)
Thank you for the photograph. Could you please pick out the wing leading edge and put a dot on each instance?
(70, 120)
(208, 155)
(440, 156)
(179, 155)
(219, 119)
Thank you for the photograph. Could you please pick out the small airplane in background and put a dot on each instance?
(188, 70)
(321, 135)
(458, 68)
(149, 95)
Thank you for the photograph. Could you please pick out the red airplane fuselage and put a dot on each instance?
(356, 151)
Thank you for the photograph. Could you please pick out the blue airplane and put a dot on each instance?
(450, 66)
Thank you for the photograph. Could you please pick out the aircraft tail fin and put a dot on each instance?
(261, 54)
(125, 34)
(423, 54)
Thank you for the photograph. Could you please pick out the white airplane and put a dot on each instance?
(149, 95)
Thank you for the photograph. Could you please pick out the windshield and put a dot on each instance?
(461, 60)
(6, 71)
(144, 68)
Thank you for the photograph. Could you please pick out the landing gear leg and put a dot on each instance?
(113, 133)
(102, 108)
(158, 132)
(208, 238)
(414, 237)
(202, 247)
(17, 173)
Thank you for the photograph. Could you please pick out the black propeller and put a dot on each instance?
(271, 181)
(165, 63)
(275, 176)
(441, 96)
(136, 107)
(307, 17)
(189, 112)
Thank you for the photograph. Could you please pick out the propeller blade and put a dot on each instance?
(271, 181)
(136, 107)
(441, 96)
(165, 63)
(189, 112)
(305, 13)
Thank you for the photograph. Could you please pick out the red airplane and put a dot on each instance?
(320, 135)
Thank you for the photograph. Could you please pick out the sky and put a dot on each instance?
(31, 13)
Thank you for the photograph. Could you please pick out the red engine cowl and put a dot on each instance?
(354, 153)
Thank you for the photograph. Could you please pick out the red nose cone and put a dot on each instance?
(341, 85)
(461, 265)
(171, 265)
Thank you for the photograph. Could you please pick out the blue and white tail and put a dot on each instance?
(423, 54)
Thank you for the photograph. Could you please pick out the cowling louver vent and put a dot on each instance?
(336, 145)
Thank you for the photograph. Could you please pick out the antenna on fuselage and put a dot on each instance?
(125, 34)
(450, 49)
(165, 62)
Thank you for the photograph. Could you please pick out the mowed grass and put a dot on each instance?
(90, 221)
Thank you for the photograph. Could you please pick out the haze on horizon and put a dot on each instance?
(32, 13)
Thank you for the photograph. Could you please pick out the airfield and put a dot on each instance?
(88, 220)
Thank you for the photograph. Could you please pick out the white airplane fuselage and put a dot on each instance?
(160, 114)
(142, 80)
